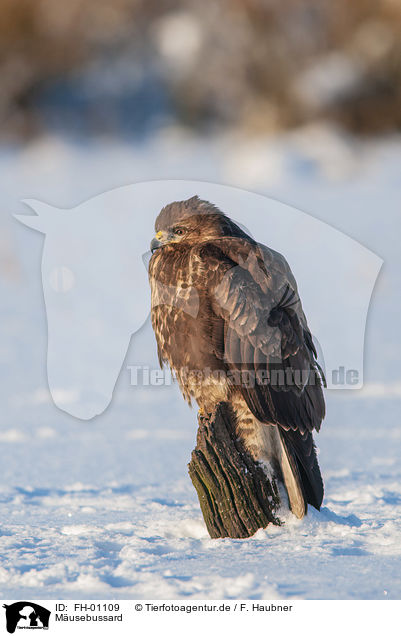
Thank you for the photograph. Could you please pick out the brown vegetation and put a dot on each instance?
(260, 64)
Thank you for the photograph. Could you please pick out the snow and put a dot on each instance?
(105, 508)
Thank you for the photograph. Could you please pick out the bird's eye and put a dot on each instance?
(179, 231)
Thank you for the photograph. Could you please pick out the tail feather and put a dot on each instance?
(302, 450)
(292, 479)
(291, 456)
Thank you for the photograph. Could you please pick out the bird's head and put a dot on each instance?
(191, 221)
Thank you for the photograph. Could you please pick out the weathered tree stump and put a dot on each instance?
(236, 496)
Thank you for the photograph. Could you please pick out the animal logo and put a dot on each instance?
(25, 614)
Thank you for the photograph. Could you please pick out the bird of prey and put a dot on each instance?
(229, 322)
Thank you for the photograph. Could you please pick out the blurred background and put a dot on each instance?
(131, 67)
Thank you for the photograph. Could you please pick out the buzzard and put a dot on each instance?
(229, 321)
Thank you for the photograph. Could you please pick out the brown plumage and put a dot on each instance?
(228, 320)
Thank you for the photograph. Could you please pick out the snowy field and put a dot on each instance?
(105, 508)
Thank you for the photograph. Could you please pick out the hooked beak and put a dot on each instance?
(155, 244)
(158, 241)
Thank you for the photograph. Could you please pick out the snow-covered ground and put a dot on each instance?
(105, 508)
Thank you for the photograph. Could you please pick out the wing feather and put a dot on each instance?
(266, 330)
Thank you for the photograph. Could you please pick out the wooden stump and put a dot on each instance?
(236, 496)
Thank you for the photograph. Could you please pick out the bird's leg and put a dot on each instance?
(205, 414)
(202, 414)
(208, 413)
